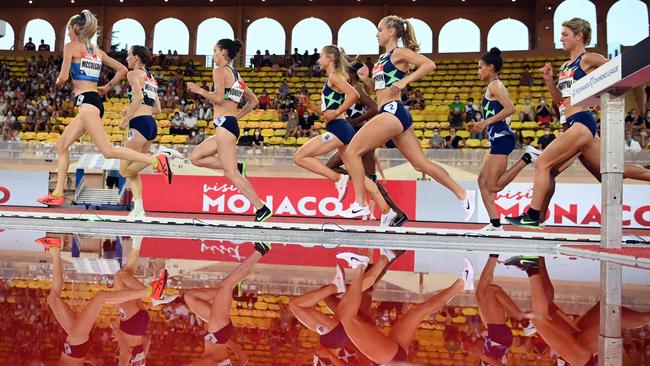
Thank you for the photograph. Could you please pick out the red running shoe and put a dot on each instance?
(52, 200)
(49, 242)
(158, 286)
(164, 168)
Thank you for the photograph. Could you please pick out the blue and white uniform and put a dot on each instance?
(500, 135)
(234, 94)
(570, 73)
(89, 68)
(341, 128)
(385, 74)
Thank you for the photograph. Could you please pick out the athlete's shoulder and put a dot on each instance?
(593, 59)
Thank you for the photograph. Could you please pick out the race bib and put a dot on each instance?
(150, 88)
(378, 77)
(129, 136)
(219, 121)
(138, 359)
(562, 109)
(80, 100)
(90, 65)
(211, 338)
(565, 82)
(327, 137)
(391, 108)
(237, 91)
(67, 349)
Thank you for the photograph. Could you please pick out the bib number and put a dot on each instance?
(151, 89)
(391, 108)
(219, 121)
(378, 77)
(211, 338)
(90, 65)
(80, 100)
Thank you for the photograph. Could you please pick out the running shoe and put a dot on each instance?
(262, 247)
(52, 200)
(243, 168)
(171, 153)
(387, 218)
(490, 227)
(399, 220)
(523, 221)
(468, 275)
(523, 262)
(158, 286)
(355, 210)
(469, 204)
(529, 328)
(49, 242)
(165, 299)
(137, 214)
(342, 186)
(388, 253)
(354, 260)
(164, 168)
(339, 280)
(263, 214)
(533, 152)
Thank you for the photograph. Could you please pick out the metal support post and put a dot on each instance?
(610, 347)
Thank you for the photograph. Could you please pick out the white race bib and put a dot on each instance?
(323, 106)
(219, 121)
(562, 109)
(378, 77)
(391, 108)
(150, 88)
(80, 100)
(236, 91)
(90, 65)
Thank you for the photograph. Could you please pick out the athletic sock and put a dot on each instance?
(533, 214)
(495, 222)
(57, 194)
(137, 205)
(154, 163)
(526, 158)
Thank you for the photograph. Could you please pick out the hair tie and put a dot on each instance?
(82, 21)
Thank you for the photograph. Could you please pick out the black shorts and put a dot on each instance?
(229, 123)
(112, 182)
(92, 98)
(146, 125)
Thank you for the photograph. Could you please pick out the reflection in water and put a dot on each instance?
(104, 300)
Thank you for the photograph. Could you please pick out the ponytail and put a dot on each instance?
(84, 25)
(341, 61)
(404, 31)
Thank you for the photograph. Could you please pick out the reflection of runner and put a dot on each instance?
(587, 327)
(213, 306)
(394, 346)
(333, 337)
(78, 325)
(495, 309)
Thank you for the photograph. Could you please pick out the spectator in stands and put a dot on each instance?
(292, 69)
(418, 100)
(314, 57)
(266, 59)
(30, 46)
(44, 46)
(478, 117)
(167, 59)
(296, 57)
(544, 113)
(257, 139)
(634, 121)
(178, 127)
(519, 139)
(292, 124)
(303, 88)
(407, 99)
(285, 107)
(456, 113)
(526, 79)
(3, 106)
(306, 59)
(256, 61)
(436, 141)
(306, 123)
(176, 59)
(264, 102)
(544, 140)
(470, 110)
(526, 113)
(453, 141)
(528, 141)
(246, 139)
(630, 143)
(190, 122)
(284, 89)
(205, 112)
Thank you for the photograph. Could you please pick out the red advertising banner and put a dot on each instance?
(298, 197)
(228, 251)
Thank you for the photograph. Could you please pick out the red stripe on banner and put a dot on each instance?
(298, 197)
(228, 251)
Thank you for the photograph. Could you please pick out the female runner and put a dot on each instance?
(389, 77)
(581, 124)
(82, 62)
(212, 305)
(394, 346)
(220, 151)
(497, 109)
(337, 97)
(78, 325)
(143, 93)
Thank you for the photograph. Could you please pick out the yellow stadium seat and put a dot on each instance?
(463, 133)
(301, 140)
(41, 136)
(530, 125)
(472, 143)
(516, 125)
(179, 139)
(280, 132)
(202, 123)
(289, 141)
(528, 133)
(167, 139)
(485, 143)
(267, 132)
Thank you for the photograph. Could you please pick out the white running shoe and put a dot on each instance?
(490, 227)
(354, 260)
(468, 275)
(171, 153)
(355, 210)
(165, 299)
(137, 214)
(342, 186)
(533, 152)
(339, 280)
(137, 242)
(389, 253)
(469, 204)
(387, 218)
(529, 329)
